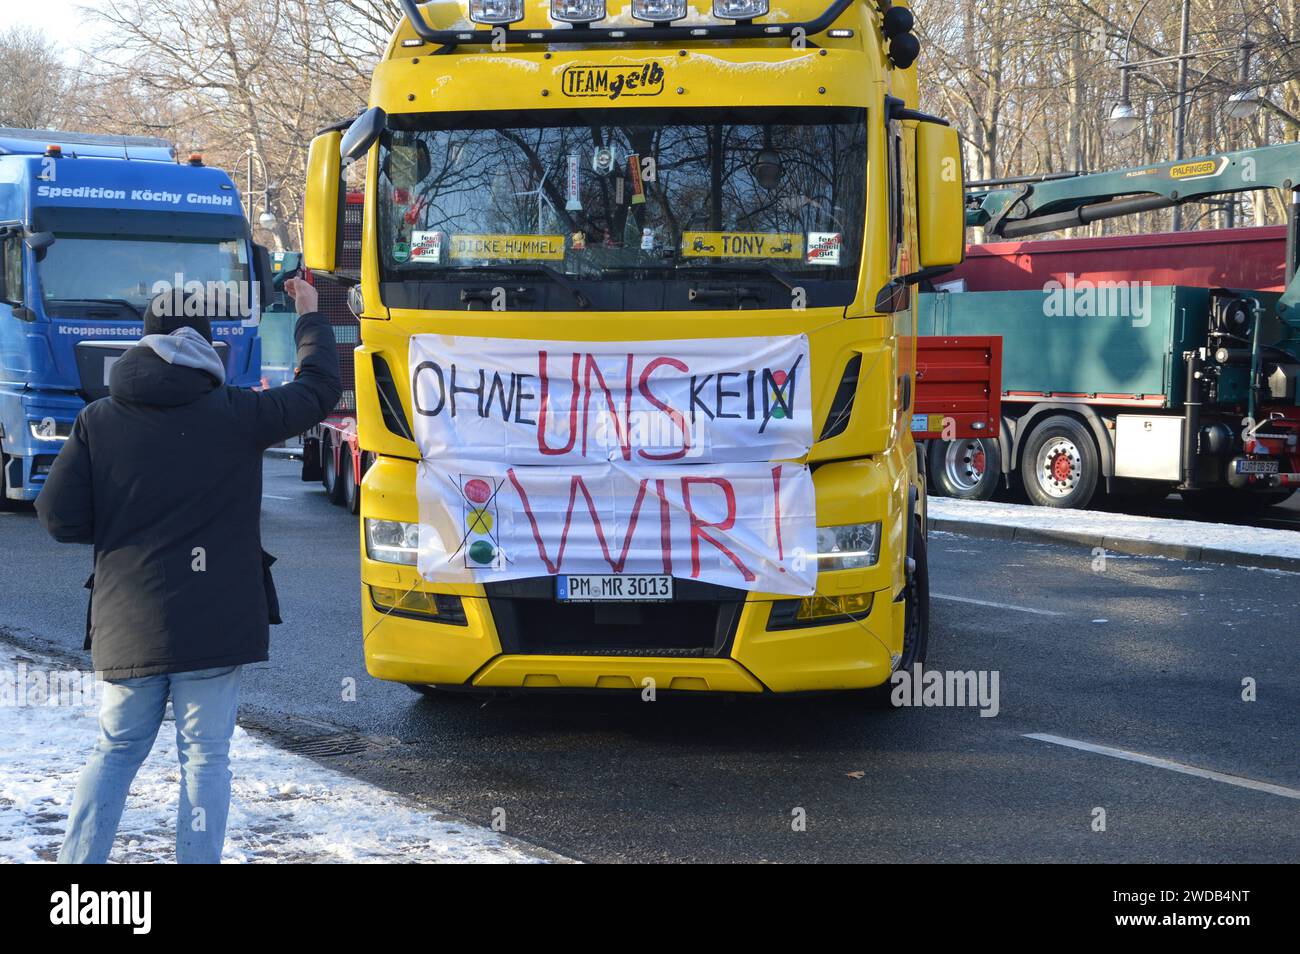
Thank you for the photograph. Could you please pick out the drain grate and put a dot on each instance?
(320, 746)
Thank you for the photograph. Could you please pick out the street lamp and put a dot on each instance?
(267, 219)
(1244, 104)
(1123, 119)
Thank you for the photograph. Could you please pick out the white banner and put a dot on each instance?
(564, 402)
(649, 457)
(744, 525)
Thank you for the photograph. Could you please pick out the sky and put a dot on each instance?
(61, 20)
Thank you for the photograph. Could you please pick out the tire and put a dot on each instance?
(1060, 465)
(333, 476)
(916, 621)
(967, 469)
(351, 486)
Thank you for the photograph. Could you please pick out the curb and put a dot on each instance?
(1175, 551)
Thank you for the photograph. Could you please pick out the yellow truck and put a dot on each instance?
(637, 358)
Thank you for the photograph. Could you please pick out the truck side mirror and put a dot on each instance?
(323, 207)
(363, 132)
(38, 242)
(262, 274)
(940, 204)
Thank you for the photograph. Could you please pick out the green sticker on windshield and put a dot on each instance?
(401, 252)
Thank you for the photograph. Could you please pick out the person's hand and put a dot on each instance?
(304, 295)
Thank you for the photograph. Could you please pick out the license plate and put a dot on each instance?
(1257, 466)
(613, 588)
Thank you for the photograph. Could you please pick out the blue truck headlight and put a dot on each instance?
(496, 11)
(577, 11)
(659, 11)
(392, 541)
(851, 546)
(739, 9)
(48, 429)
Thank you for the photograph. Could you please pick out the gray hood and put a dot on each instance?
(188, 349)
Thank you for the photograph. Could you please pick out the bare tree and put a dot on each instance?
(38, 89)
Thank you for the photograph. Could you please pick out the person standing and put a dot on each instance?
(164, 478)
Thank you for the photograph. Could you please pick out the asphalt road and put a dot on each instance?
(1146, 655)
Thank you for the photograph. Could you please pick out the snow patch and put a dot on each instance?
(284, 807)
(1250, 541)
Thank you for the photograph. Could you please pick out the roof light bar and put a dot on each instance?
(659, 14)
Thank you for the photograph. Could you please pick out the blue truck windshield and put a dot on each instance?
(655, 195)
(119, 274)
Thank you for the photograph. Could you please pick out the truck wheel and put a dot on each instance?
(916, 621)
(967, 469)
(330, 466)
(1060, 464)
(351, 486)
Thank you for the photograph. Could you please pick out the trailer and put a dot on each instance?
(1138, 365)
(92, 227)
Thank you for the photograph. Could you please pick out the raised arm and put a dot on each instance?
(284, 411)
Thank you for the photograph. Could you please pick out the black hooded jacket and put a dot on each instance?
(164, 477)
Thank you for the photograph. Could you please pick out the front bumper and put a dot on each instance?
(753, 658)
(849, 655)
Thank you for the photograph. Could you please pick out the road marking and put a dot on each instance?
(1169, 764)
(274, 497)
(1005, 606)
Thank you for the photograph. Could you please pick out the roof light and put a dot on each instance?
(496, 11)
(739, 9)
(196, 158)
(577, 11)
(659, 11)
(54, 150)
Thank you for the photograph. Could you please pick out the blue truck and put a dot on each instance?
(92, 227)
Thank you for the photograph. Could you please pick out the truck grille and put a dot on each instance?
(700, 621)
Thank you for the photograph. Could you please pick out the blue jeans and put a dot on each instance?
(204, 704)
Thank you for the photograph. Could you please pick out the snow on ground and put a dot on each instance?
(1162, 531)
(284, 808)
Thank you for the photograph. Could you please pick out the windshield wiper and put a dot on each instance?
(119, 302)
(766, 270)
(544, 271)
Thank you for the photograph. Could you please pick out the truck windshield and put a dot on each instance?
(766, 196)
(121, 273)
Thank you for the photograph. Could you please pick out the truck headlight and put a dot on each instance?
(850, 546)
(577, 11)
(392, 541)
(48, 429)
(659, 11)
(739, 9)
(496, 11)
